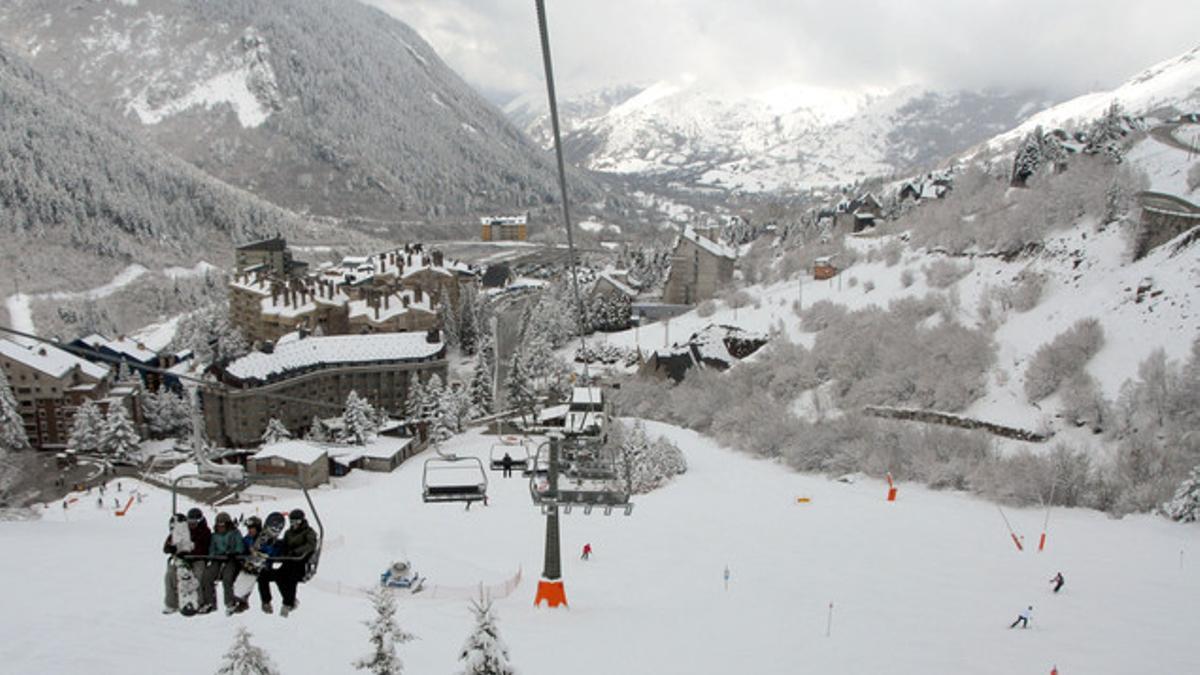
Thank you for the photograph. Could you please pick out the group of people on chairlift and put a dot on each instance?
(220, 554)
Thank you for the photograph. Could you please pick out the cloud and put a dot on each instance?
(1066, 47)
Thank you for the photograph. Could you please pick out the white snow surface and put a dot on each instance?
(926, 584)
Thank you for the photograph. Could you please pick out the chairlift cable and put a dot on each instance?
(562, 172)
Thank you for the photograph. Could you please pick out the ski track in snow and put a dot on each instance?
(20, 305)
(926, 584)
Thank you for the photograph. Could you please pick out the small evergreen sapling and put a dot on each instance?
(316, 431)
(385, 634)
(244, 658)
(1185, 506)
(357, 420)
(275, 432)
(484, 652)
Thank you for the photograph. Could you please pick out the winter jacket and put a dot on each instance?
(201, 539)
(226, 543)
(299, 542)
(271, 548)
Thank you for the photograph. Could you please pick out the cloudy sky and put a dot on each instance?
(1065, 46)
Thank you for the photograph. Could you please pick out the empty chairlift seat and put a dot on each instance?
(454, 479)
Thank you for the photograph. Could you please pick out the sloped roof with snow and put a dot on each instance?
(709, 245)
(334, 349)
(300, 452)
(619, 285)
(50, 360)
(131, 348)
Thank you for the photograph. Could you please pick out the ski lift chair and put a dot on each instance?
(586, 476)
(517, 451)
(450, 478)
(239, 483)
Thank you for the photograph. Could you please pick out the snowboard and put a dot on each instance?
(257, 557)
(187, 586)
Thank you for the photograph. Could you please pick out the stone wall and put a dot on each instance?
(947, 419)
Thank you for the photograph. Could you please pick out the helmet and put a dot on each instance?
(254, 522)
(296, 514)
(195, 514)
(224, 519)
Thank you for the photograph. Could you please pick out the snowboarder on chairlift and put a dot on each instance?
(300, 541)
(508, 465)
(1023, 618)
(587, 552)
(201, 537)
(1058, 582)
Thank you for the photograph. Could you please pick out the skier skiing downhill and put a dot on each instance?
(587, 552)
(1058, 582)
(1023, 618)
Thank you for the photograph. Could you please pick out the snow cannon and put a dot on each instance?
(401, 575)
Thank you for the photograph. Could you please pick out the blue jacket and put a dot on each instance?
(271, 549)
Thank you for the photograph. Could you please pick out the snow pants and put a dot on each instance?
(287, 577)
(171, 594)
(226, 571)
(1020, 620)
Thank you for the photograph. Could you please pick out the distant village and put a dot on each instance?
(372, 324)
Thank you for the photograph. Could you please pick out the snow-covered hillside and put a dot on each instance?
(782, 138)
(927, 584)
(1088, 274)
(1164, 89)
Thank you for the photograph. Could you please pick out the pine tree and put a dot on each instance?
(468, 320)
(385, 635)
(275, 432)
(450, 323)
(433, 408)
(244, 658)
(357, 420)
(119, 437)
(484, 652)
(481, 385)
(518, 386)
(166, 413)
(414, 403)
(1028, 159)
(316, 431)
(1185, 506)
(86, 429)
(12, 427)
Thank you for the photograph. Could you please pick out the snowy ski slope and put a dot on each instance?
(926, 584)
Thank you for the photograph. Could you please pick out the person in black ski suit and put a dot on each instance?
(508, 465)
(1058, 582)
(299, 542)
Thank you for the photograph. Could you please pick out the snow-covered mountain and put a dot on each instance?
(320, 106)
(790, 137)
(1163, 90)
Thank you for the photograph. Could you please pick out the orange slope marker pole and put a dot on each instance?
(891, 495)
(1011, 533)
(127, 505)
(1046, 522)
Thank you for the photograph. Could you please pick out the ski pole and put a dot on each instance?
(829, 621)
